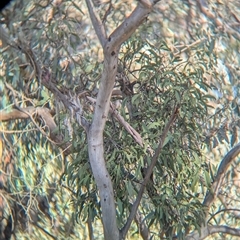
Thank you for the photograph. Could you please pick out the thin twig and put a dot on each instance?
(107, 12)
(224, 165)
(34, 122)
(17, 131)
(121, 120)
(45, 231)
(134, 209)
(189, 46)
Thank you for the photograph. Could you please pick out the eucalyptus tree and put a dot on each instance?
(119, 111)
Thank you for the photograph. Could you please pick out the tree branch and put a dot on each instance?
(209, 230)
(235, 212)
(127, 126)
(97, 23)
(137, 137)
(95, 134)
(232, 210)
(143, 229)
(148, 174)
(130, 24)
(44, 75)
(225, 163)
(69, 101)
(44, 113)
(111, 49)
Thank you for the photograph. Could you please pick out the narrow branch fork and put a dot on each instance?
(137, 137)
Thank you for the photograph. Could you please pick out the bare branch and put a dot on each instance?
(121, 120)
(234, 211)
(97, 23)
(209, 230)
(44, 113)
(24, 113)
(130, 24)
(45, 231)
(189, 46)
(149, 172)
(14, 114)
(90, 228)
(224, 165)
(71, 103)
(104, 19)
(127, 126)
(143, 229)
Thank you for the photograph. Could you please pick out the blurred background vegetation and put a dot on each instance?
(186, 53)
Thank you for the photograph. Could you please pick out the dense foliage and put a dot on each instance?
(47, 184)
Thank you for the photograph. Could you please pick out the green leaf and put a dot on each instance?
(207, 179)
(120, 206)
(194, 183)
(178, 97)
(167, 139)
(129, 188)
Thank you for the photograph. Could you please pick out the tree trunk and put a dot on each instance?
(96, 148)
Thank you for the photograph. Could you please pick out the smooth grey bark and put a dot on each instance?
(96, 150)
(111, 46)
